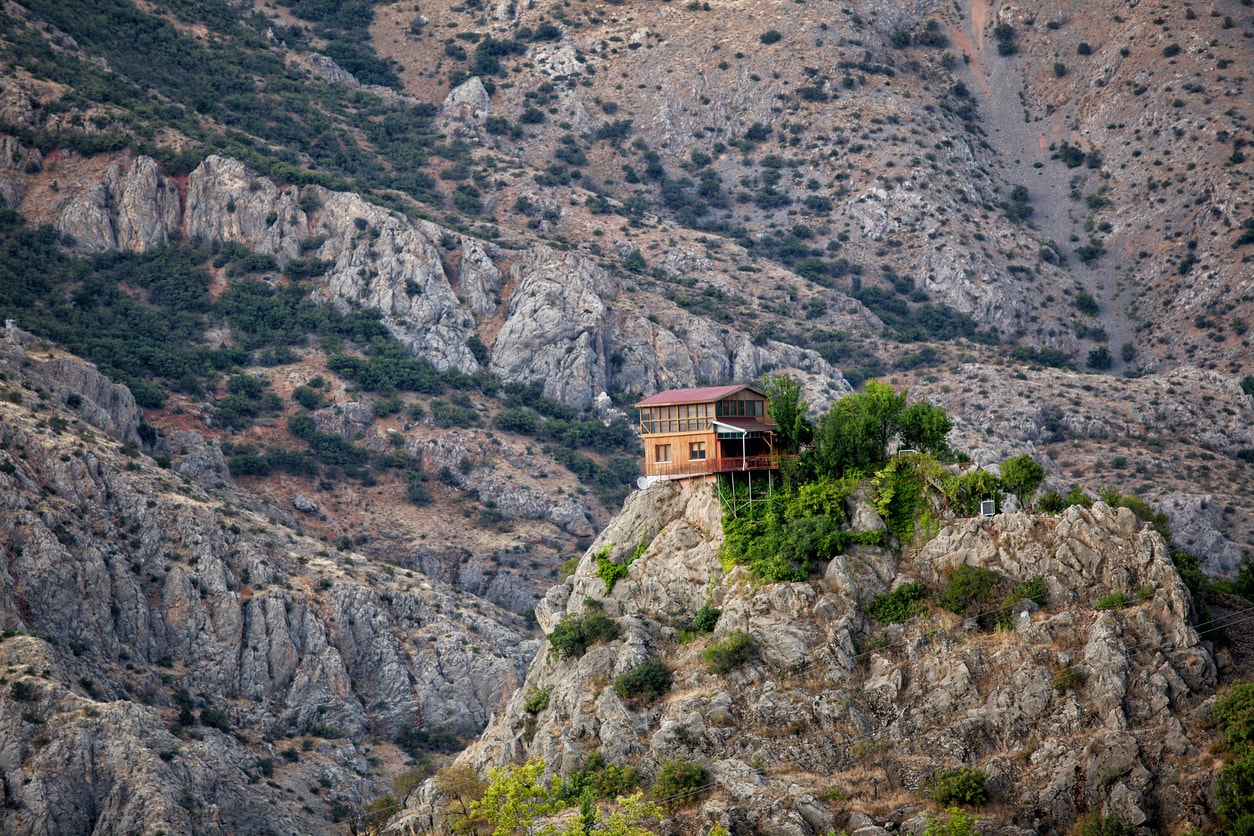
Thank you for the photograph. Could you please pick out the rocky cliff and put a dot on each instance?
(838, 721)
(560, 319)
(168, 643)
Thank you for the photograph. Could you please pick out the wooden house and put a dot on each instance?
(713, 429)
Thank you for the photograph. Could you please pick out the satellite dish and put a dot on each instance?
(642, 482)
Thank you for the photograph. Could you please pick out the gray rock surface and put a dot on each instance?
(565, 321)
(77, 386)
(136, 598)
(810, 710)
(468, 101)
(348, 420)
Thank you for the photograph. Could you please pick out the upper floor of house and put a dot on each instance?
(711, 429)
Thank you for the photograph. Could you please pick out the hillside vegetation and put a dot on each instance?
(857, 650)
(379, 283)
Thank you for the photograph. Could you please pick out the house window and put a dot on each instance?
(696, 451)
(662, 453)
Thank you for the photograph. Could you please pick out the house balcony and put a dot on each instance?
(728, 464)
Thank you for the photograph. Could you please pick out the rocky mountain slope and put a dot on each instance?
(840, 722)
(597, 210)
(560, 207)
(178, 656)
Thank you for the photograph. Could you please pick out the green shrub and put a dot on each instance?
(964, 785)
(1099, 358)
(679, 783)
(646, 682)
(574, 634)
(307, 397)
(1051, 502)
(1234, 792)
(705, 619)
(416, 492)
(415, 742)
(608, 570)
(1234, 713)
(215, 718)
(899, 497)
(770, 36)
(902, 604)
(730, 653)
(1033, 589)
(1099, 825)
(601, 779)
(1006, 39)
(957, 823)
(323, 730)
(537, 700)
(451, 415)
(1077, 496)
(1113, 601)
(516, 421)
(1234, 795)
(793, 533)
(23, 691)
(970, 590)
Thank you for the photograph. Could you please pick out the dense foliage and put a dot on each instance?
(574, 634)
(599, 778)
(514, 798)
(964, 785)
(902, 604)
(705, 619)
(790, 533)
(1234, 714)
(730, 653)
(646, 682)
(1022, 475)
(970, 590)
(800, 526)
(285, 124)
(680, 783)
(857, 430)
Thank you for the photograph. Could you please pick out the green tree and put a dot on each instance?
(1022, 475)
(632, 818)
(788, 411)
(924, 427)
(462, 789)
(964, 785)
(854, 434)
(1234, 794)
(515, 798)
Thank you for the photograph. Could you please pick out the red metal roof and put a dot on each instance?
(703, 394)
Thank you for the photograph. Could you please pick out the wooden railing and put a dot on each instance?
(720, 465)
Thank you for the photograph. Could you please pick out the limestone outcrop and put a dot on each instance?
(567, 321)
(1067, 709)
(165, 642)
